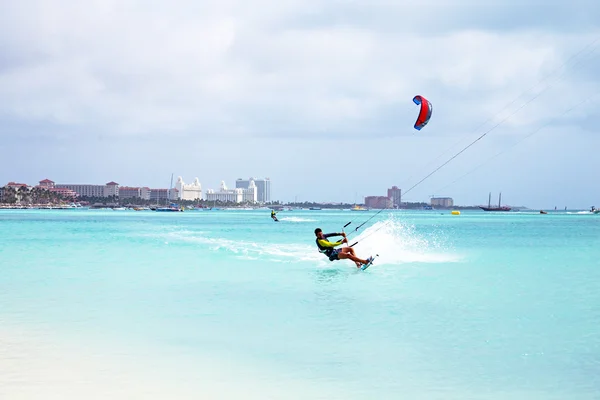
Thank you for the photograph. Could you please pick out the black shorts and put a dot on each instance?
(334, 255)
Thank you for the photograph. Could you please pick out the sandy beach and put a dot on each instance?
(34, 366)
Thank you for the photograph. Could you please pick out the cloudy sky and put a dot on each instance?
(317, 95)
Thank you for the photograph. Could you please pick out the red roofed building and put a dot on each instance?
(64, 192)
(16, 185)
(49, 185)
(111, 189)
(46, 184)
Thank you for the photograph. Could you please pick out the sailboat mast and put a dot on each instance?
(499, 199)
(490, 200)
(170, 187)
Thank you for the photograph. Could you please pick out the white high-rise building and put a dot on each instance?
(236, 195)
(251, 194)
(192, 191)
(145, 193)
(263, 188)
(111, 189)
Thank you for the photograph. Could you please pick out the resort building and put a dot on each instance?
(126, 192)
(158, 195)
(49, 185)
(395, 194)
(263, 188)
(46, 184)
(442, 202)
(192, 191)
(15, 185)
(110, 189)
(378, 202)
(237, 195)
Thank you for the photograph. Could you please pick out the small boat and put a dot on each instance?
(543, 212)
(169, 209)
(359, 208)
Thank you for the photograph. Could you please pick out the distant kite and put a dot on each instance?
(425, 112)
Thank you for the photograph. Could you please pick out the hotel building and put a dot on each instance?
(237, 195)
(49, 185)
(395, 194)
(126, 192)
(157, 195)
(378, 202)
(263, 188)
(442, 201)
(110, 189)
(191, 191)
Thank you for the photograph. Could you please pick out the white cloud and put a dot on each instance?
(219, 69)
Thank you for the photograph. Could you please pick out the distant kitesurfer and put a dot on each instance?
(273, 215)
(329, 248)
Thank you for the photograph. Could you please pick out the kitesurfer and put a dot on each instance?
(273, 215)
(329, 248)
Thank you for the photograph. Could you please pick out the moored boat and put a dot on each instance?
(491, 208)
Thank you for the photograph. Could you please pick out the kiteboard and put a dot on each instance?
(367, 265)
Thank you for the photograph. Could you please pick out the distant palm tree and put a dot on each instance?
(23, 193)
(10, 195)
(35, 195)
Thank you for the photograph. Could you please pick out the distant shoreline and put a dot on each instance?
(277, 208)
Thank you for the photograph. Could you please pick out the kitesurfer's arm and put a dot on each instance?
(326, 243)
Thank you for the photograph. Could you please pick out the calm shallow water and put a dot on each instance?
(481, 305)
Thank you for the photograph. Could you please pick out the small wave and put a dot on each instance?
(297, 219)
(252, 250)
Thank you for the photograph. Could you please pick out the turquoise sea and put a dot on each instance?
(225, 304)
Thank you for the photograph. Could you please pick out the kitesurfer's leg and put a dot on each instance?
(349, 254)
(350, 250)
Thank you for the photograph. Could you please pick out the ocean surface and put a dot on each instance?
(226, 304)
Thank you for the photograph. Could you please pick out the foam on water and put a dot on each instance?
(398, 243)
(276, 252)
(297, 219)
(395, 241)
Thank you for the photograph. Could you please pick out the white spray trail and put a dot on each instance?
(398, 243)
(395, 242)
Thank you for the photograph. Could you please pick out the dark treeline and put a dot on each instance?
(34, 195)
